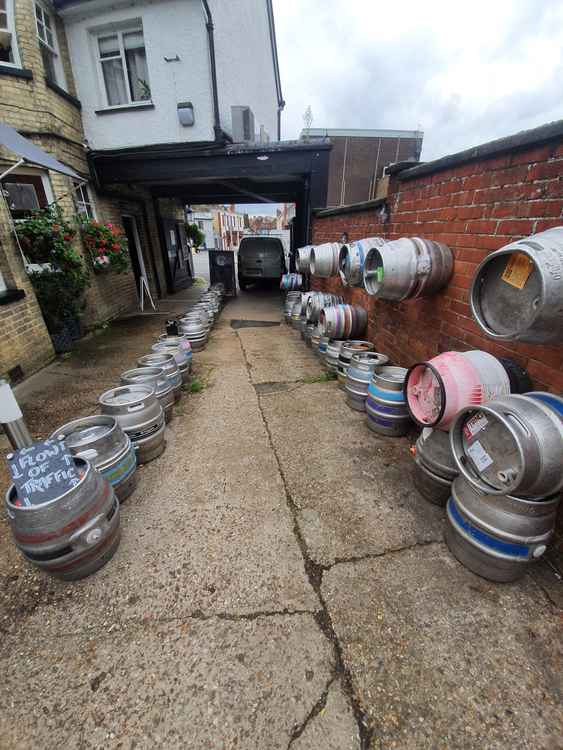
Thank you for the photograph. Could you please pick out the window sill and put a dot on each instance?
(64, 94)
(124, 108)
(11, 295)
(10, 70)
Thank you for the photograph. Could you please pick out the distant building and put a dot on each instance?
(358, 158)
(204, 221)
(228, 227)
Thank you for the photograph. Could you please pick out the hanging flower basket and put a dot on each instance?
(106, 245)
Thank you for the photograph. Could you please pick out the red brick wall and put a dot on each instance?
(474, 208)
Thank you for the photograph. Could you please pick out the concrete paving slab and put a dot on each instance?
(278, 355)
(353, 489)
(442, 659)
(184, 684)
(258, 303)
(332, 728)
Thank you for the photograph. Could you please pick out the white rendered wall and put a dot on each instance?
(177, 28)
(245, 68)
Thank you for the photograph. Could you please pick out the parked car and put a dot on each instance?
(260, 258)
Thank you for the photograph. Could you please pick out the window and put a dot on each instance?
(84, 202)
(8, 46)
(123, 66)
(48, 45)
(24, 193)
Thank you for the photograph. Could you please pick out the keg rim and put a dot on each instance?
(93, 420)
(27, 508)
(144, 391)
(456, 442)
(476, 309)
(441, 386)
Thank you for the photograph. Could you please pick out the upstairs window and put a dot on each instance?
(123, 65)
(48, 45)
(84, 202)
(8, 46)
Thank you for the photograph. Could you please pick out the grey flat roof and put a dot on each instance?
(359, 133)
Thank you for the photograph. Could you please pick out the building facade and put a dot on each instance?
(91, 77)
(228, 226)
(358, 158)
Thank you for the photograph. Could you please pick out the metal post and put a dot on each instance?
(11, 418)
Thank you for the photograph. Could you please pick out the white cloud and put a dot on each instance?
(464, 72)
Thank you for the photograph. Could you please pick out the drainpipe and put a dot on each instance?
(211, 41)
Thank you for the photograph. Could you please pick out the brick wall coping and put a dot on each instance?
(349, 209)
(523, 139)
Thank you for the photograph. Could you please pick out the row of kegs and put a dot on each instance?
(490, 450)
(515, 294)
(387, 269)
(291, 281)
(75, 534)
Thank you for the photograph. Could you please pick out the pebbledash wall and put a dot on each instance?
(475, 202)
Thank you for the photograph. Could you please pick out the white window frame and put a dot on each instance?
(119, 32)
(84, 207)
(54, 49)
(11, 29)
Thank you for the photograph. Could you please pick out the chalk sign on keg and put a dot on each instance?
(42, 472)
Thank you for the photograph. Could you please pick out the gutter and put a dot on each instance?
(274, 45)
(218, 131)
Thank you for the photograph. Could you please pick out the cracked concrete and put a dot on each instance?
(279, 583)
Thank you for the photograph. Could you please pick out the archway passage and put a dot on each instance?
(191, 173)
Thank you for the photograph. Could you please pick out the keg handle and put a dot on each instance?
(89, 454)
(510, 416)
(136, 407)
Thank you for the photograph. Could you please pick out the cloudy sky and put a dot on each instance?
(465, 73)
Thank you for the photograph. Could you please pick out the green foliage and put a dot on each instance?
(326, 377)
(195, 234)
(106, 244)
(46, 238)
(196, 386)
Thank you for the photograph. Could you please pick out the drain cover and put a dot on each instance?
(253, 324)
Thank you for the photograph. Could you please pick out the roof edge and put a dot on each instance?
(521, 140)
(351, 208)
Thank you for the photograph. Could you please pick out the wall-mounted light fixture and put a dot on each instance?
(186, 113)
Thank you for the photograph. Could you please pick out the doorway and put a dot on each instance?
(131, 230)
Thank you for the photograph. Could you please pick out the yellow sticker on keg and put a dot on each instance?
(518, 270)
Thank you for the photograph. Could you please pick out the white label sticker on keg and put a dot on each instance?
(479, 455)
(475, 425)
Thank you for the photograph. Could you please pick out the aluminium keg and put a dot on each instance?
(323, 343)
(386, 406)
(195, 332)
(513, 445)
(517, 291)
(315, 303)
(358, 377)
(343, 321)
(324, 259)
(303, 258)
(407, 268)
(73, 535)
(497, 537)
(140, 415)
(309, 330)
(352, 257)
(181, 350)
(347, 351)
(436, 390)
(332, 354)
(101, 441)
(434, 466)
(155, 377)
(316, 340)
(168, 365)
(291, 281)
(302, 326)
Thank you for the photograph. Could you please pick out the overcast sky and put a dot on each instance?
(465, 73)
